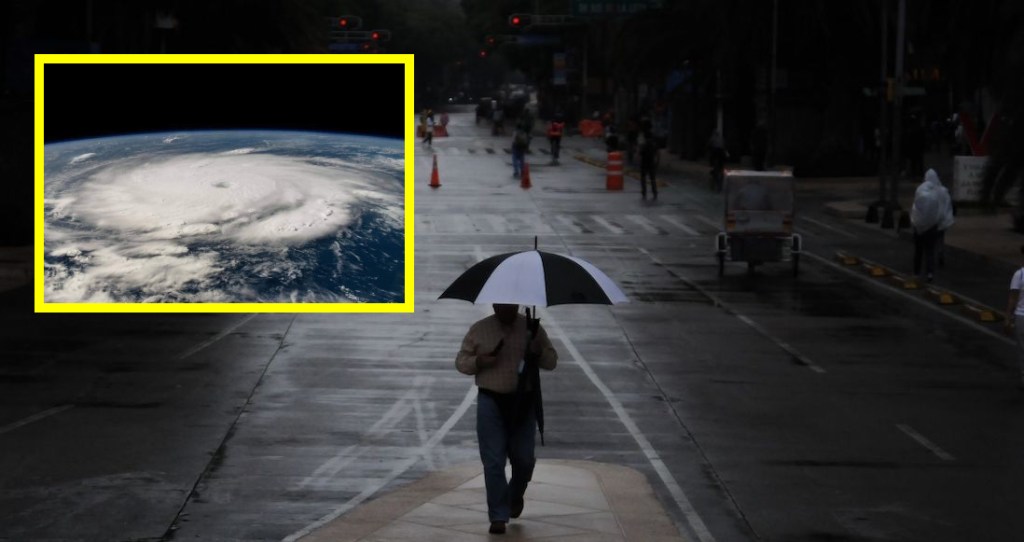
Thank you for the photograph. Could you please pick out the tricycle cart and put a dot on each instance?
(759, 208)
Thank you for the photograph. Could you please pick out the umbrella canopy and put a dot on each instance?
(534, 278)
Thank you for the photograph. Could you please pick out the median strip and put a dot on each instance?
(979, 311)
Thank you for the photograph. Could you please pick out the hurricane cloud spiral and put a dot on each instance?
(224, 217)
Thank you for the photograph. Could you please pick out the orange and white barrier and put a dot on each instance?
(614, 169)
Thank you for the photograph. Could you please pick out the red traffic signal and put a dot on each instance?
(349, 22)
(519, 20)
(483, 53)
(380, 35)
(490, 41)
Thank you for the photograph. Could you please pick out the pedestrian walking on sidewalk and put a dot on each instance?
(555, 129)
(648, 163)
(428, 130)
(1015, 315)
(520, 144)
(494, 351)
(931, 200)
(497, 118)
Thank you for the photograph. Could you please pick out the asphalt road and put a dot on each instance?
(761, 406)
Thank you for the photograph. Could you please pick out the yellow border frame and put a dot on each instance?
(407, 306)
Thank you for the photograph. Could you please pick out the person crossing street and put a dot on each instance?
(648, 163)
(496, 351)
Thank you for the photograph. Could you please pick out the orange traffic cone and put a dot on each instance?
(434, 181)
(525, 182)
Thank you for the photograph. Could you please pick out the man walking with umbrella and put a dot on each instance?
(504, 352)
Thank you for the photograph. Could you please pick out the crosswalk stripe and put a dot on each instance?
(572, 224)
(646, 224)
(679, 224)
(497, 223)
(611, 227)
(716, 225)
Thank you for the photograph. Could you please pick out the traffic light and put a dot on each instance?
(380, 35)
(483, 53)
(349, 22)
(490, 41)
(519, 20)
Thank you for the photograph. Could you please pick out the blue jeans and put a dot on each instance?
(497, 442)
(518, 157)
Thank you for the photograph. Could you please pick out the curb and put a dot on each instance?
(942, 296)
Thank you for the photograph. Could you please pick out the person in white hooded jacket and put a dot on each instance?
(931, 214)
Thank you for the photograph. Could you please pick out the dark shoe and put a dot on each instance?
(497, 527)
(517, 507)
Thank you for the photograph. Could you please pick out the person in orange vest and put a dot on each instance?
(555, 129)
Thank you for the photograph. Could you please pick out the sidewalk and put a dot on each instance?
(567, 500)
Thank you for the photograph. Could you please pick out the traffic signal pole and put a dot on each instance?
(883, 120)
(897, 112)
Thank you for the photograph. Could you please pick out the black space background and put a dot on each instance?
(94, 100)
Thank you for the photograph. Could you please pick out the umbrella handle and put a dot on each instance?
(532, 324)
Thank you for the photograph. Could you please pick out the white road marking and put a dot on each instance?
(716, 226)
(932, 447)
(644, 223)
(498, 224)
(33, 418)
(828, 226)
(408, 403)
(329, 468)
(397, 471)
(804, 360)
(569, 223)
(679, 224)
(692, 517)
(216, 338)
(922, 302)
(611, 227)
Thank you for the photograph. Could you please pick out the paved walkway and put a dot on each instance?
(567, 501)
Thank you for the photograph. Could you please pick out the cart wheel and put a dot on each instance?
(721, 264)
(796, 265)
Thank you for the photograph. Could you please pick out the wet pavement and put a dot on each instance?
(831, 406)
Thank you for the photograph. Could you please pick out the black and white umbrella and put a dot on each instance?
(535, 278)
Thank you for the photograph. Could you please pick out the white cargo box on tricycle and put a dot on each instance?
(759, 209)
